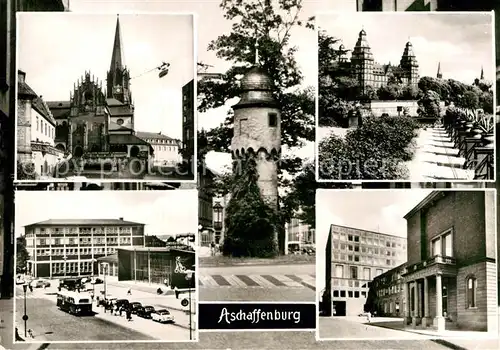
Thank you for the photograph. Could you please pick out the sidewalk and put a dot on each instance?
(452, 339)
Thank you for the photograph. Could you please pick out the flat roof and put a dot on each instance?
(80, 222)
(360, 229)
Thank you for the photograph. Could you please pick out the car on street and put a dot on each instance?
(122, 302)
(364, 314)
(145, 311)
(97, 281)
(40, 283)
(135, 306)
(162, 316)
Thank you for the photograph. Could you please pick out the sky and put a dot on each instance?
(373, 210)
(56, 49)
(163, 212)
(462, 42)
(211, 24)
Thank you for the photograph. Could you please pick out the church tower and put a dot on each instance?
(362, 61)
(118, 77)
(439, 75)
(410, 65)
(257, 132)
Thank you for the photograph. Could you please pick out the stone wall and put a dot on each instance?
(486, 309)
(23, 130)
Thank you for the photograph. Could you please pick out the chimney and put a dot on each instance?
(121, 219)
(21, 76)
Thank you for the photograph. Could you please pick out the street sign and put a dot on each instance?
(25, 317)
(185, 302)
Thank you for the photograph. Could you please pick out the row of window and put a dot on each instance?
(351, 283)
(86, 230)
(362, 238)
(348, 294)
(165, 148)
(81, 241)
(351, 272)
(45, 128)
(75, 251)
(389, 290)
(364, 259)
(363, 249)
(71, 267)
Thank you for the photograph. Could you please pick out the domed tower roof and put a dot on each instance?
(408, 50)
(256, 79)
(362, 49)
(408, 59)
(256, 89)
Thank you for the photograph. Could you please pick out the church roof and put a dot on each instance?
(111, 102)
(152, 135)
(126, 139)
(120, 110)
(117, 56)
(59, 109)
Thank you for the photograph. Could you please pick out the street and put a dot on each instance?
(258, 283)
(48, 323)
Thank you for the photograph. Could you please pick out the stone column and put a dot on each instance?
(415, 303)
(425, 320)
(406, 300)
(439, 319)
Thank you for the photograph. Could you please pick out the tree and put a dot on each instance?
(26, 171)
(470, 100)
(371, 300)
(428, 105)
(409, 92)
(369, 93)
(22, 255)
(389, 92)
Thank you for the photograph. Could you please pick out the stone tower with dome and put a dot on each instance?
(257, 132)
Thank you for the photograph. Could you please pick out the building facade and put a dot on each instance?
(450, 280)
(35, 134)
(388, 289)
(369, 73)
(358, 256)
(298, 234)
(424, 5)
(189, 132)
(166, 150)
(64, 247)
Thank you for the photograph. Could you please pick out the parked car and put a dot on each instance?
(97, 281)
(135, 306)
(40, 283)
(162, 316)
(145, 311)
(122, 302)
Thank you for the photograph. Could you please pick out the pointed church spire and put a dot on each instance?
(117, 56)
(482, 73)
(439, 74)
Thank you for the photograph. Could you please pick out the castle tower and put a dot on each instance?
(257, 132)
(410, 65)
(439, 75)
(118, 77)
(362, 61)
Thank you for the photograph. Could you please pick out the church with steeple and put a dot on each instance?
(368, 72)
(97, 124)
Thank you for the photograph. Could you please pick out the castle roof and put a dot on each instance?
(41, 107)
(256, 79)
(256, 88)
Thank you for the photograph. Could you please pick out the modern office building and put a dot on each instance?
(70, 247)
(188, 125)
(358, 256)
(451, 274)
(388, 293)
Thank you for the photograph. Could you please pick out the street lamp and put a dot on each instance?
(104, 271)
(25, 316)
(189, 277)
(65, 258)
(93, 276)
(200, 228)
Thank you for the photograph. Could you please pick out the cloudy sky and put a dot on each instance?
(373, 210)
(211, 24)
(56, 49)
(163, 212)
(461, 42)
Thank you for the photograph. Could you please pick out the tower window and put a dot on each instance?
(273, 120)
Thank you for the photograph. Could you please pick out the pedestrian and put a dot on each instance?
(129, 314)
(31, 288)
(129, 292)
(121, 310)
(369, 317)
(212, 248)
(18, 337)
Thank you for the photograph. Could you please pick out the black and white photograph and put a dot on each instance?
(106, 266)
(407, 264)
(411, 99)
(108, 97)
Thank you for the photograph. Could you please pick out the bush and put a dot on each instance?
(26, 171)
(373, 151)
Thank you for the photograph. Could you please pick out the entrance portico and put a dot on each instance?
(426, 293)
